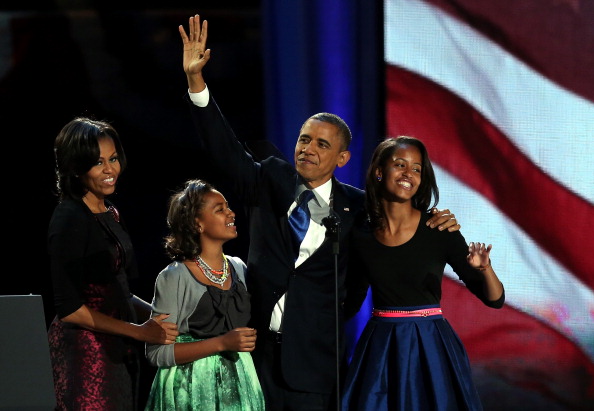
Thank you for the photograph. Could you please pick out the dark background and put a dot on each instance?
(94, 59)
(122, 66)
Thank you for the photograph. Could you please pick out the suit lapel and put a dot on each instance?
(341, 206)
(287, 199)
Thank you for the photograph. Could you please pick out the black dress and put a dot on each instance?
(91, 257)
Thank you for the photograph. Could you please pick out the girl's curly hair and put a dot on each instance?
(183, 240)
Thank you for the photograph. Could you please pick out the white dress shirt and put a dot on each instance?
(319, 207)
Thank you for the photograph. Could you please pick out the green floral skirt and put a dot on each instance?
(224, 381)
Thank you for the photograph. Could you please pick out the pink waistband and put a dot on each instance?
(415, 313)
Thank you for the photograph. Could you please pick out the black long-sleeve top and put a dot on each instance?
(86, 248)
(409, 274)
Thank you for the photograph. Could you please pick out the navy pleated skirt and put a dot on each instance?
(409, 364)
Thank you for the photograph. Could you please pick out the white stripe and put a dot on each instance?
(534, 281)
(552, 126)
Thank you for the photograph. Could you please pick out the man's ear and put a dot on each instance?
(343, 158)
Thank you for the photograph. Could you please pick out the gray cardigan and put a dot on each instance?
(177, 293)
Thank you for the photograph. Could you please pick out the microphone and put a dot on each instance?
(332, 224)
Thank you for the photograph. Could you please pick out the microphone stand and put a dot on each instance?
(332, 224)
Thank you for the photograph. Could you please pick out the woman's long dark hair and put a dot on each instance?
(374, 188)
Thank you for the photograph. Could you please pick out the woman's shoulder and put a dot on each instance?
(235, 260)
(173, 270)
(239, 266)
(449, 237)
(70, 205)
(70, 213)
(174, 276)
(425, 215)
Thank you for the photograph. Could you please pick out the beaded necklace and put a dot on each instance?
(216, 276)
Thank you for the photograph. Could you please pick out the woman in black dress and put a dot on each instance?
(94, 359)
(409, 357)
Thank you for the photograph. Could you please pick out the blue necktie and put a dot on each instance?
(299, 219)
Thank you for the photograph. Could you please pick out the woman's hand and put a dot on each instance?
(478, 255)
(157, 331)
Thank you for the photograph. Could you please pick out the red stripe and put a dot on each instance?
(553, 37)
(464, 143)
(514, 347)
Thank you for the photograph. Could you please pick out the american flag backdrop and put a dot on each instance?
(502, 93)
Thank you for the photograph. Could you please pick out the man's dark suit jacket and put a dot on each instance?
(267, 189)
